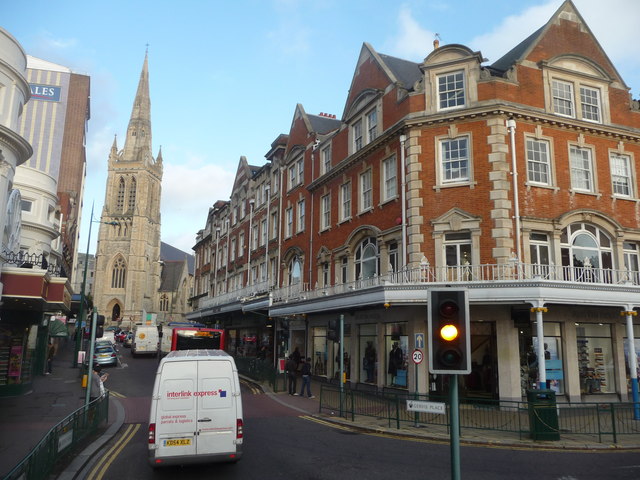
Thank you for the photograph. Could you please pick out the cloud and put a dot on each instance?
(188, 190)
(413, 40)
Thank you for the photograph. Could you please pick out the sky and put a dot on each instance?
(225, 76)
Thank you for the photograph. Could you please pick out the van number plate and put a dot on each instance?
(178, 442)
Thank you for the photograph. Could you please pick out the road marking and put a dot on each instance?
(328, 424)
(103, 464)
(116, 394)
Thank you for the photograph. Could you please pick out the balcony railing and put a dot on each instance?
(424, 274)
(33, 260)
(486, 273)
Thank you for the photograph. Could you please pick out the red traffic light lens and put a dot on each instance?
(448, 309)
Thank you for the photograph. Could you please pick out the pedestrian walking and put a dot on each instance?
(97, 382)
(51, 352)
(292, 372)
(306, 377)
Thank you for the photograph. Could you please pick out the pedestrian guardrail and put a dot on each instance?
(62, 440)
(584, 421)
(258, 369)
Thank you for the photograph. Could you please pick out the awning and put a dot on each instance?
(58, 329)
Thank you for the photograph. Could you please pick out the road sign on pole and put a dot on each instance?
(417, 356)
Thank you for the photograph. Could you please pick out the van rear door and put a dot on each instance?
(176, 418)
(217, 408)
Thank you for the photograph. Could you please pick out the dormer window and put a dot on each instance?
(564, 98)
(451, 91)
(576, 88)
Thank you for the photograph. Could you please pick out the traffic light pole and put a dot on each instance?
(455, 427)
(341, 364)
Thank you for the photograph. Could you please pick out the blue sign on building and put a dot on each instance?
(48, 93)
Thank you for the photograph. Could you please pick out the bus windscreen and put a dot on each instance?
(197, 339)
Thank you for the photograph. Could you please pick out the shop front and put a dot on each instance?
(30, 299)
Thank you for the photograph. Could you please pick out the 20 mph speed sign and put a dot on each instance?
(417, 356)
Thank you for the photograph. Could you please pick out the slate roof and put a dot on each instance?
(323, 125)
(172, 254)
(405, 71)
(516, 54)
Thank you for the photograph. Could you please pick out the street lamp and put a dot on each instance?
(251, 204)
(217, 262)
(74, 360)
(266, 240)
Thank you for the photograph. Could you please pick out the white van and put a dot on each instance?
(196, 409)
(145, 340)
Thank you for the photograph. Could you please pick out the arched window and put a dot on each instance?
(164, 303)
(118, 274)
(588, 250)
(367, 260)
(295, 270)
(132, 195)
(120, 198)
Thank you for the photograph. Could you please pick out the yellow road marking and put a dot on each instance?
(101, 467)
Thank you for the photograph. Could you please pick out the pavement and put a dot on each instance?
(26, 419)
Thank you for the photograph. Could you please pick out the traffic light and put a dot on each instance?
(449, 340)
(332, 331)
(99, 326)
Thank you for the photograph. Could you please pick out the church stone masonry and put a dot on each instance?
(128, 252)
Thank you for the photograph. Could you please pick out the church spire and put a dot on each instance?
(137, 146)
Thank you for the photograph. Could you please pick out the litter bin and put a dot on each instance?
(543, 416)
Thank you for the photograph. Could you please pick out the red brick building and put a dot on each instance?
(514, 181)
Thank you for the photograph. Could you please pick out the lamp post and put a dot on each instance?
(226, 267)
(266, 240)
(74, 360)
(216, 264)
(251, 204)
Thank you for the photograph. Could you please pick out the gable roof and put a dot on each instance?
(521, 51)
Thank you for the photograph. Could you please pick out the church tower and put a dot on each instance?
(128, 252)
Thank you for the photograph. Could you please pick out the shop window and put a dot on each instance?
(396, 343)
(368, 353)
(319, 359)
(595, 358)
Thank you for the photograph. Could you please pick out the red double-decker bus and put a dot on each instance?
(189, 338)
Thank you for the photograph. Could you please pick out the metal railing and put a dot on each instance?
(30, 260)
(586, 421)
(61, 440)
(258, 370)
(484, 273)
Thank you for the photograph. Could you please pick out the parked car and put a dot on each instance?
(121, 335)
(128, 340)
(105, 354)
